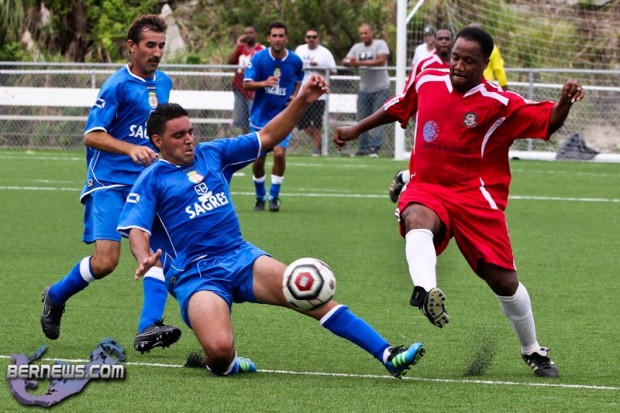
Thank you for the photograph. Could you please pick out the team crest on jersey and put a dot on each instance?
(430, 131)
(470, 119)
(152, 100)
(202, 189)
(194, 177)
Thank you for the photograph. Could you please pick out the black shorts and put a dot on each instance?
(313, 116)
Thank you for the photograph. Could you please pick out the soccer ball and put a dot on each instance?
(308, 283)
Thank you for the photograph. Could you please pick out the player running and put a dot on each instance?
(460, 180)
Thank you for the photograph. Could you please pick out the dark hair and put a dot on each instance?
(480, 36)
(277, 25)
(448, 28)
(156, 125)
(145, 22)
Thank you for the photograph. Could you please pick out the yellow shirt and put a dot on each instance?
(495, 69)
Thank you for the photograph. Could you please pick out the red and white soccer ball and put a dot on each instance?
(308, 283)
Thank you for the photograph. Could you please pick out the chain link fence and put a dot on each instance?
(44, 106)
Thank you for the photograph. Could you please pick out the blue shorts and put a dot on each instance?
(102, 209)
(283, 144)
(229, 276)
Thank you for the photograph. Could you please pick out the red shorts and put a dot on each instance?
(478, 227)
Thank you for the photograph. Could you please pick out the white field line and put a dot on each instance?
(373, 376)
(340, 195)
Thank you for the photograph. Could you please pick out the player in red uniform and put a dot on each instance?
(459, 188)
(439, 59)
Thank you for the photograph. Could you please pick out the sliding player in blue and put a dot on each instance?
(117, 150)
(212, 266)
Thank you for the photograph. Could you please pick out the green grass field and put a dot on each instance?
(564, 221)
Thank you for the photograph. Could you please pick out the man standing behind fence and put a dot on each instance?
(245, 47)
(315, 55)
(117, 150)
(275, 74)
(368, 55)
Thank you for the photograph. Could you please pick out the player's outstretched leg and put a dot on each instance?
(432, 305)
(51, 315)
(156, 335)
(540, 362)
(401, 359)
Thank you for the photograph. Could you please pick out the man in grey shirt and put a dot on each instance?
(368, 55)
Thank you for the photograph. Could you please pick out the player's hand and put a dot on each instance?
(314, 88)
(146, 264)
(143, 155)
(573, 91)
(271, 81)
(344, 134)
(241, 40)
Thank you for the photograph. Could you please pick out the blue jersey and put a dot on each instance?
(188, 210)
(270, 101)
(123, 106)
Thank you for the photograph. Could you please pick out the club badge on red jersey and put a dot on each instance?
(470, 119)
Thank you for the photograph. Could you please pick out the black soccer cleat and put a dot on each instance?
(156, 335)
(540, 362)
(259, 205)
(432, 305)
(396, 186)
(51, 315)
(274, 204)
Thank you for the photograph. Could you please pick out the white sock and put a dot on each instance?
(277, 180)
(518, 309)
(85, 272)
(405, 176)
(421, 257)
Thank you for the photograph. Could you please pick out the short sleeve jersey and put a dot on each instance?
(191, 205)
(123, 106)
(372, 79)
(269, 101)
(462, 139)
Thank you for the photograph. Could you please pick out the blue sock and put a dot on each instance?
(342, 322)
(78, 278)
(274, 189)
(259, 186)
(155, 295)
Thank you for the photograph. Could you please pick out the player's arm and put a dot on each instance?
(347, 133)
(233, 57)
(103, 141)
(571, 93)
(139, 242)
(280, 126)
(255, 85)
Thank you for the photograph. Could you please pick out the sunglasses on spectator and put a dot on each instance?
(311, 36)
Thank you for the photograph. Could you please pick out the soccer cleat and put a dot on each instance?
(156, 335)
(246, 365)
(540, 362)
(259, 205)
(51, 315)
(274, 204)
(401, 360)
(432, 305)
(396, 186)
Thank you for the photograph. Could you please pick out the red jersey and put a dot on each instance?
(244, 54)
(431, 62)
(461, 140)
